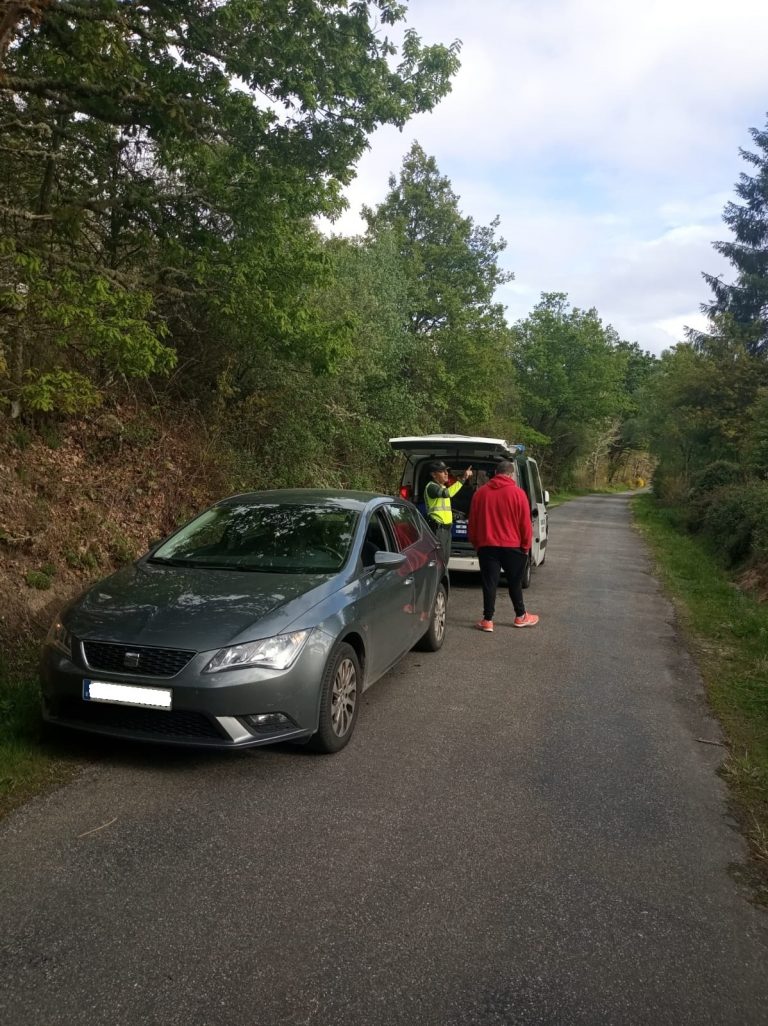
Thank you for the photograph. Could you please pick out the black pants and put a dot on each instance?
(493, 559)
(443, 535)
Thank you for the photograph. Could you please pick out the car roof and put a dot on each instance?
(331, 497)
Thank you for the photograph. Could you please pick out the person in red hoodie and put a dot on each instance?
(500, 530)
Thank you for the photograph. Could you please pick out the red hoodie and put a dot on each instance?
(500, 515)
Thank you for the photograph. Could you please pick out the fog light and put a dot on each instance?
(264, 723)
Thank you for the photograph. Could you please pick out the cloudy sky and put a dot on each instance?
(604, 133)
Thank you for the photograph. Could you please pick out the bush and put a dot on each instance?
(38, 579)
(736, 518)
(707, 485)
(670, 488)
(715, 475)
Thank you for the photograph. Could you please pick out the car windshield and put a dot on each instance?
(270, 537)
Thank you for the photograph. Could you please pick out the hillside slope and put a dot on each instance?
(79, 501)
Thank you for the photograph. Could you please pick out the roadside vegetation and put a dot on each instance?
(727, 630)
(706, 420)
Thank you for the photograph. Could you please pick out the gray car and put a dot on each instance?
(263, 619)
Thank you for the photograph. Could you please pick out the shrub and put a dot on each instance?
(707, 485)
(717, 474)
(736, 518)
(38, 579)
(670, 488)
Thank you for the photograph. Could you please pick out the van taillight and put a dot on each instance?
(405, 492)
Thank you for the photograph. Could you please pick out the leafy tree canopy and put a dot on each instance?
(458, 333)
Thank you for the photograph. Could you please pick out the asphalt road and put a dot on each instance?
(524, 830)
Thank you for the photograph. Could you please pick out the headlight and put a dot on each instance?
(277, 653)
(60, 638)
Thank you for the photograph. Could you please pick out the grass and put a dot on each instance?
(28, 765)
(728, 633)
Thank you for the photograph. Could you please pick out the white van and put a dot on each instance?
(482, 454)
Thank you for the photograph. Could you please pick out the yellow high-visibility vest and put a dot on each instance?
(439, 508)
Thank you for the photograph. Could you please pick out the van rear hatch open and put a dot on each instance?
(456, 447)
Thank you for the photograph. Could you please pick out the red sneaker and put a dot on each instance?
(485, 625)
(526, 620)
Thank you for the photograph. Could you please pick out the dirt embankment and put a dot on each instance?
(79, 500)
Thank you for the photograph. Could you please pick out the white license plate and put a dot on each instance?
(126, 694)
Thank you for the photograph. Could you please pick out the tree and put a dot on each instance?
(571, 372)
(171, 148)
(739, 310)
(703, 406)
(457, 331)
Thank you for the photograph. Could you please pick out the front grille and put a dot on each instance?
(153, 662)
(149, 722)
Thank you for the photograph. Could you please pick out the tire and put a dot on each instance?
(433, 638)
(526, 581)
(340, 694)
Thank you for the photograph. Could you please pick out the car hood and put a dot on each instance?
(195, 609)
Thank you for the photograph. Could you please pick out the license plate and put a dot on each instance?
(126, 694)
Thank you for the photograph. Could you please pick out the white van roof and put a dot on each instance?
(435, 445)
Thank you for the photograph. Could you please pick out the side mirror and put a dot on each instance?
(388, 560)
(546, 498)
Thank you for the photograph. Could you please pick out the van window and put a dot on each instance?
(536, 483)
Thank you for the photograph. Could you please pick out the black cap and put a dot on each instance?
(436, 465)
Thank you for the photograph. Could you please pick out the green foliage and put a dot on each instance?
(39, 579)
(572, 374)
(756, 436)
(59, 391)
(733, 515)
(717, 474)
(458, 337)
(739, 311)
(146, 197)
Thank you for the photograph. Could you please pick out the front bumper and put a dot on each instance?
(207, 710)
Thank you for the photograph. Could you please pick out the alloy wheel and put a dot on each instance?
(440, 614)
(343, 697)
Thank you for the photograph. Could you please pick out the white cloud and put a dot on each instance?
(605, 136)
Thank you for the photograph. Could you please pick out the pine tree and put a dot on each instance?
(739, 311)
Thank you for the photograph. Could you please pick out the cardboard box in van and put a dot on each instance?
(482, 454)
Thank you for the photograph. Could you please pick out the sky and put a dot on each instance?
(604, 133)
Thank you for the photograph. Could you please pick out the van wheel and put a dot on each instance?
(339, 700)
(526, 581)
(434, 636)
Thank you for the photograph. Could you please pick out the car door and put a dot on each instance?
(419, 545)
(540, 516)
(387, 599)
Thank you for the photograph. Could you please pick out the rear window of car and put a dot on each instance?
(269, 537)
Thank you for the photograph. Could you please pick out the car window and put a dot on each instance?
(406, 525)
(377, 539)
(538, 490)
(274, 537)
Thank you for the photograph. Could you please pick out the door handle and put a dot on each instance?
(432, 562)
(408, 580)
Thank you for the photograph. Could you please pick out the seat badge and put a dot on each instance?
(131, 660)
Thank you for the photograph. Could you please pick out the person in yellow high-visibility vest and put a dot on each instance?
(437, 499)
